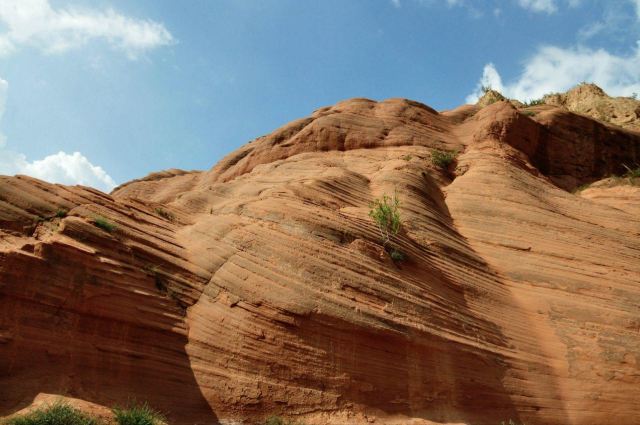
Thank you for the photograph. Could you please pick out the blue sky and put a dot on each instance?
(100, 92)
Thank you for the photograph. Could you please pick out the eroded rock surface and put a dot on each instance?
(260, 287)
(591, 100)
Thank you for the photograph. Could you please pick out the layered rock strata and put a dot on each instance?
(261, 287)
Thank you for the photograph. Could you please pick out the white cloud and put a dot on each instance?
(555, 69)
(59, 168)
(619, 22)
(539, 6)
(450, 3)
(490, 78)
(548, 6)
(35, 23)
(70, 169)
(551, 6)
(636, 3)
(62, 168)
(4, 88)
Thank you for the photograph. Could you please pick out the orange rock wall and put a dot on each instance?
(260, 287)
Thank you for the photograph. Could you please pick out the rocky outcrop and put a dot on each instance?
(261, 287)
(489, 97)
(591, 100)
(585, 99)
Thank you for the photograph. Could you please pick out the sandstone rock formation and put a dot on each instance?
(490, 96)
(591, 100)
(260, 287)
(585, 99)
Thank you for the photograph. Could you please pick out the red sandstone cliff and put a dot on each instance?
(260, 287)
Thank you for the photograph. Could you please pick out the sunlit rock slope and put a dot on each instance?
(260, 287)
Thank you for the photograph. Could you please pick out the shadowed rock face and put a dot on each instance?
(260, 287)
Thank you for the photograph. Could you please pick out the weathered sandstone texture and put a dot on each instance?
(260, 287)
(591, 100)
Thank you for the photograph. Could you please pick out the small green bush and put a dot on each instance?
(55, 414)
(386, 214)
(277, 420)
(535, 102)
(581, 187)
(61, 213)
(167, 215)
(529, 113)
(104, 224)
(397, 255)
(632, 173)
(442, 159)
(141, 414)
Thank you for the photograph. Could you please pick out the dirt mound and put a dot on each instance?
(261, 287)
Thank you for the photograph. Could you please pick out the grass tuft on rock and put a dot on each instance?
(632, 173)
(397, 255)
(141, 414)
(442, 159)
(385, 213)
(104, 224)
(535, 102)
(167, 215)
(277, 420)
(58, 413)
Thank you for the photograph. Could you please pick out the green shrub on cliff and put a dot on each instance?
(442, 159)
(61, 413)
(104, 224)
(141, 414)
(167, 215)
(385, 212)
(58, 413)
(535, 102)
(277, 420)
(632, 173)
